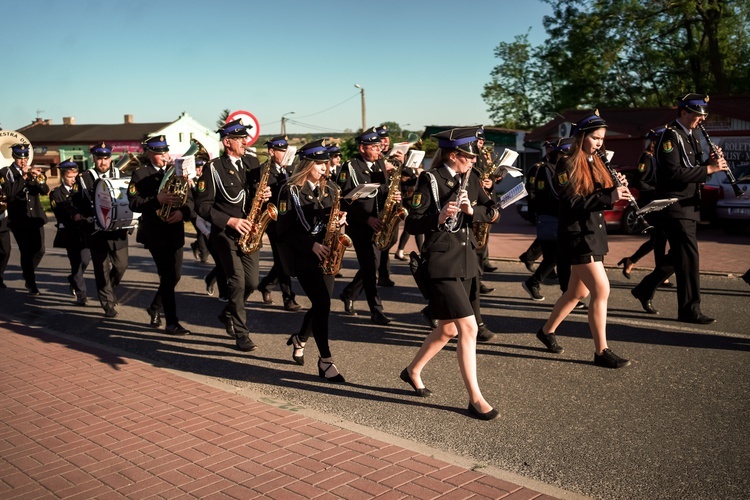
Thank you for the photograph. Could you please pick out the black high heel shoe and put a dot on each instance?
(626, 263)
(298, 349)
(338, 378)
(490, 415)
(422, 392)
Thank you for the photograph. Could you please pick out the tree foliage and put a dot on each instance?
(622, 53)
(222, 118)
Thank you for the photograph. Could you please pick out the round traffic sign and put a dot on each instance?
(248, 119)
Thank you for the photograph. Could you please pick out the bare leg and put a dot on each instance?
(467, 361)
(566, 303)
(595, 279)
(432, 345)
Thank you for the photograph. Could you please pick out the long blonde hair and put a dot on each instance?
(582, 177)
(302, 170)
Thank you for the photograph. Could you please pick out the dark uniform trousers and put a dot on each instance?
(276, 274)
(168, 265)
(69, 237)
(4, 247)
(242, 278)
(369, 260)
(318, 288)
(110, 261)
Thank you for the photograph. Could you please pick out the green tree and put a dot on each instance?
(222, 118)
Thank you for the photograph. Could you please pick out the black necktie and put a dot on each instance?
(316, 192)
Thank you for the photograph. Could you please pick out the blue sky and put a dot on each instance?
(420, 62)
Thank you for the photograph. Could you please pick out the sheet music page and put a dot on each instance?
(289, 156)
(185, 166)
(513, 195)
(414, 159)
(362, 191)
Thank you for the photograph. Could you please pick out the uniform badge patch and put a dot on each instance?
(533, 180)
(132, 190)
(667, 147)
(416, 200)
(450, 183)
(53, 203)
(201, 186)
(282, 207)
(562, 178)
(540, 185)
(342, 177)
(641, 167)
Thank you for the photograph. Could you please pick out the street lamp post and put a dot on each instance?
(364, 119)
(283, 122)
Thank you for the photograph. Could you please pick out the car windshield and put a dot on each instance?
(742, 173)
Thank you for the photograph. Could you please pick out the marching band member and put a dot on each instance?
(305, 205)
(24, 184)
(68, 234)
(109, 249)
(448, 200)
(277, 147)
(163, 239)
(335, 164)
(365, 167)
(225, 193)
(585, 189)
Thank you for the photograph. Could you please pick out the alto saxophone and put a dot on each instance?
(250, 242)
(482, 229)
(392, 212)
(336, 242)
(172, 184)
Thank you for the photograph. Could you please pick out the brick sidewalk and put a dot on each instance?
(82, 422)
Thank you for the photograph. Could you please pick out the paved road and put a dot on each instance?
(671, 425)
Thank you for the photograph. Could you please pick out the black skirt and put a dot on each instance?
(452, 298)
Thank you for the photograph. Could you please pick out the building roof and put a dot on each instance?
(41, 133)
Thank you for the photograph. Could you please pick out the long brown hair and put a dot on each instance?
(585, 177)
(299, 177)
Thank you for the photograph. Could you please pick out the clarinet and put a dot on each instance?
(737, 191)
(451, 222)
(642, 225)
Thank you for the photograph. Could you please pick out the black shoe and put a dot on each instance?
(72, 290)
(550, 341)
(666, 284)
(645, 303)
(700, 319)
(528, 263)
(81, 299)
(245, 344)
(196, 253)
(422, 392)
(626, 263)
(489, 268)
(432, 323)
(483, 333)
(3, 286)
(209, 286)
(298, 349)
(33, 290)
(484, 290)
(267, 299)
(533, 289)
(155, 317)
(323, 373)
(110, 312)
(385, 282)
(348, 305)
(400, 255)
(379, 318)
(490, 415)
(176, 329)
(291, 305)
(228, 325)
(608, 359)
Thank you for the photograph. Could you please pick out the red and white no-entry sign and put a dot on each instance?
(248, 119)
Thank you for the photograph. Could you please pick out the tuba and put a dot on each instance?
(129, 162)
(178, 184)
(336, 242)
(393, 212)
(482, 229)
(250, 242)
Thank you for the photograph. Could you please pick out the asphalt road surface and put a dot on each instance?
(672, 425)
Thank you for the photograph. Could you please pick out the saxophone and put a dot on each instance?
(172, 184)
(250, 242)
(482, 229)
(336, 242)
(392, 212)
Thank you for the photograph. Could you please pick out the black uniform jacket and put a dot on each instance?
(531, 177)
(353, 173)
(24, 207)
(646, 178)
(68, 232)
(679, 172)
(83, 201)
(582, 230)
(276, 180)
(302, 221)
(4, 191)
(152, 231)
(447, 254)
(220, 191)
(546, 200)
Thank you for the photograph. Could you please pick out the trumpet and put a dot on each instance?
(36, 175)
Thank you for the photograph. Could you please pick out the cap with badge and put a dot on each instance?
(101, 149)
(235, 128)
(591, 122)
(280, 143)
(156, 144)
(20, 150)
(315, 150)
(696, 103)
(369, 136)
(652, 134)
(563, 144)
(67, 165)
(463, 139)
(383, 131)
(334, 150)
(480, 133)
